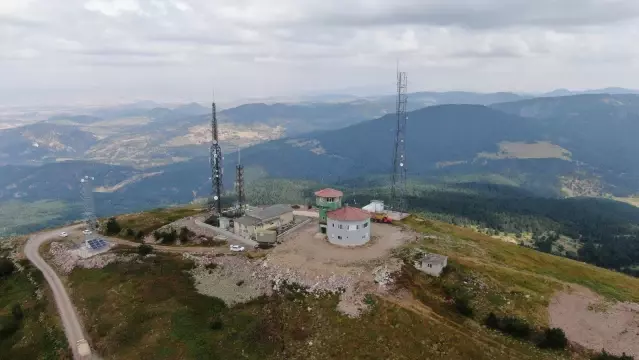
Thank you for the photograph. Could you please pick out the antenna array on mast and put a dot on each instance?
(215, 157)
(90, 218)
(239, 180)
(398, 180)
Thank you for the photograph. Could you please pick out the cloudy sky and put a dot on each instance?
(102, 51)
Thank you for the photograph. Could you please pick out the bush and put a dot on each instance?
(492, 321)
(295, 206)
(554, 339)
(6, 267)
(185, 234)
(112, 227)
(515, 327)
(8, 326)
(606, 356)
(139, 235)
(17, 313)
(216, 324)
(510, 325)
(129, 232)
(462, 305)
(145, 249)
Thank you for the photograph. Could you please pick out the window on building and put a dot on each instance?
(341, 226)
(352, 227)
(339, 237)
(365, 225)
(430, 265)
(333, 224)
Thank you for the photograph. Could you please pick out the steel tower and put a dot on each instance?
(239, 180)
(89, 206)
(398, 180)
(215, 157)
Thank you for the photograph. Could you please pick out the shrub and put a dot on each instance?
(510, 325)
(462, 304)
(129, 232)
(492, 321)
(6, 267)
(216, 324)
(554, 339)
(606, 356)
(239, 283)
(515, 327)
(8, 326)
(112, 227)
(295, 206)
(145, 249)
(139, 235)
(185, 234)
(17, 313)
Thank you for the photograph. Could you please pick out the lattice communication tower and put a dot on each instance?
(89, 206)
(215, 156)
(398, 180)
(239, 183)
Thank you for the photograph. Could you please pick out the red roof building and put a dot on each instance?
(329, 193)
(348, 213)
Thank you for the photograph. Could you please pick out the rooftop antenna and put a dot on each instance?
(215, 157)
(239, 179)
(89, 206)
(398, 179)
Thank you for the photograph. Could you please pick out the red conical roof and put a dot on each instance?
(348, 213)
(329, 193)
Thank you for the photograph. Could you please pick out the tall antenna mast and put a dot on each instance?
(239, 179)
(89, 206)
(215, 157)
(398, 180)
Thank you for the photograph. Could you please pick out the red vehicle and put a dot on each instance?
(381, 218)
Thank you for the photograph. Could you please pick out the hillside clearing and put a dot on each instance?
(520, 150)
(150, 310)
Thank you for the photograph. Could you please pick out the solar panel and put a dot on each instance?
(96, 244)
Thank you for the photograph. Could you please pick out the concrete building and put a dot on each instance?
(432, 264)
(269, 218)
(327, 200)
(348, 226)
(376, 206)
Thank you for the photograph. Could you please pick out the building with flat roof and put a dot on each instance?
(348, 226)
(432, 264)
(327, 200)
(269, 218)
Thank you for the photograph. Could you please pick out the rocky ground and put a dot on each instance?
(66, 259)
(595, 323)
(311, 262)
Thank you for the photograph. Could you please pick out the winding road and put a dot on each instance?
(70, 321)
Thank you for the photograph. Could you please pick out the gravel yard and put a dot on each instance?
(595, 323)
(309, 261)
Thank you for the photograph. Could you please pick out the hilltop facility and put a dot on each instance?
(348, 226)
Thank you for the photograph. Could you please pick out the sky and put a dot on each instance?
(101, 51)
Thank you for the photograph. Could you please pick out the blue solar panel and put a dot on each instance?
(96, 244)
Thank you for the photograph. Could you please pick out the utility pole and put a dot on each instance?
(398, 179)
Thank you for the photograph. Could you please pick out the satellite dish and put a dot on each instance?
(215, 197)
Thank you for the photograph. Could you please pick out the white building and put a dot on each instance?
(348, 226)
(376, 206)
(432, 264)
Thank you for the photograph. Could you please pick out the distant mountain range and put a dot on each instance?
(581, 145)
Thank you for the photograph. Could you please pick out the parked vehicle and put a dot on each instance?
(381, 218)
(237, 248)
(63, 234)
(87, 232)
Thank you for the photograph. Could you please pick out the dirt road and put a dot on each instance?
(70, 321)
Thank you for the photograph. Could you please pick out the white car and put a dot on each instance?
(237, 248)
(63, 234)
(87, 232)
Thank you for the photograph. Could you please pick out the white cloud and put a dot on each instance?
(176, 49)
